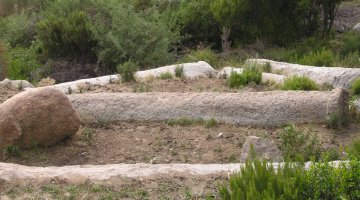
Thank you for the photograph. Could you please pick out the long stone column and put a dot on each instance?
(246, 108)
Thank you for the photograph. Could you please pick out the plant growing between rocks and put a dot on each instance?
(250, 74)
(166, 76)
(12, 151)
(299, 83)
(179, 71)
(127, 71)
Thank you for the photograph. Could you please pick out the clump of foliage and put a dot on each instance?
(299, 83)
(182, 122)
(260, 180)
(324, 57)
(66, 36)
(295, 144)
(22, 62)
(87, 135)
(354, 149)
(127, 70)
(179, 71)
(210, 123)
(355, 87)
(250, 74)
(12, 151)
(350, 43)
(335, 121)
(205, 54)
(166, 76)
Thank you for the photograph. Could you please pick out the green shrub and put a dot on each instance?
(17, 30)
(182, 122)
(22, 62)
(351, 43)
(295, 144)
(87, 135)
(166, 76)
(206, 55)
(299, 83)
(355, 87)
(249, 74)
(335, 121)
(127, 70)
(210, 123)
(259, 180)
(354, 149)
(66, 36)
(179, 71)
(349, 60)
(121, 36)
(12, 151)
(320, 58)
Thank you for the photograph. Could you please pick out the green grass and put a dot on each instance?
(250, 74)
(355, 87)
(12, 151)
(179, 71)
(166, 76)
(299, 83)
(190, 122)
(127, 71)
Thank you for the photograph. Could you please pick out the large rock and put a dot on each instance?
(263, 148)
(245, 108)
(338, 77)
(357, 28)
(15, 84)
(85, 84)
(37, 117)
(191, 71)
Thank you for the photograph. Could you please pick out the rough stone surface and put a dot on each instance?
(39, 116)
(247, 108)
(84, 84)
(337, 77)
(191, 71)
(266, 77)
(357, 27)
(83, 173)
(263, 147)
(15, 84)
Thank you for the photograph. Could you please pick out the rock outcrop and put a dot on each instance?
(199, 69)
(337, 77)
(15, 84)
(263, 148)
(37, 117)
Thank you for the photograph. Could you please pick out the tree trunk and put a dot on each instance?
(225, 39)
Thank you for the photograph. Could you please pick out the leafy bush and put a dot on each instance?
(349, 60)
(320, 58)
(335, 121)
(12, 151)
(354, 149)
(299, 83)
(351, 43)
(166, 76)
(127, 71)
(260, 180)
(355, 87)
(179, 71)
(66, 36)
(250, 74)
(206, 55)
(124, 34)
(17, 30)
(22, 62)
(295, 144)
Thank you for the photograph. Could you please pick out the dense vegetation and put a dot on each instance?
(70, 38)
